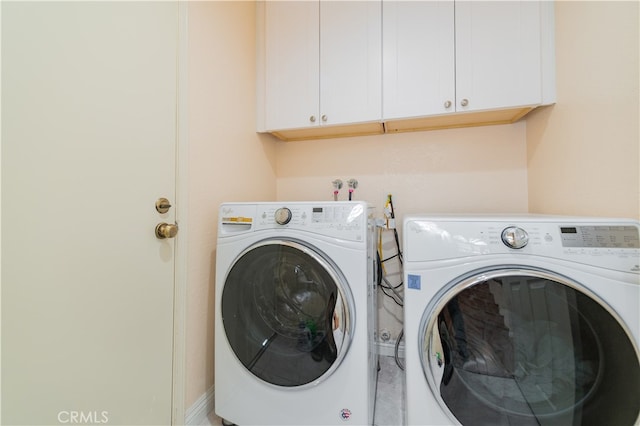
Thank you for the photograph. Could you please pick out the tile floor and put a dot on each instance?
(389, 399)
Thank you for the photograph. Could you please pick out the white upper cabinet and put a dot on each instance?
(444, 57)
(291, 37)
(418, 57)
(319, 63)
(340, 68)
(497, 54)
(350, 61)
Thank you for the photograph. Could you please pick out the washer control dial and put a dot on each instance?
(515, 237)
(283, 216)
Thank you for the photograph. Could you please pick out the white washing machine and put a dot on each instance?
(295, 313)
(529, 320)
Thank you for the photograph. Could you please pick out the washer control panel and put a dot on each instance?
(343, 220)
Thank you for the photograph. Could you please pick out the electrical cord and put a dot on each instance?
(392, 287)
(394, 293)
(387, 286)
(390, 296)
(390, 258)
(396, 351)
(395, 230)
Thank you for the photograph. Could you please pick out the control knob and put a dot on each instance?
(515, 237)
(283, 216)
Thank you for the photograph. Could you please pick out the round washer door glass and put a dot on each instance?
(527, 347)
(287, 312)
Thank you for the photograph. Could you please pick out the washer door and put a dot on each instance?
(528, 347)
(287, 313)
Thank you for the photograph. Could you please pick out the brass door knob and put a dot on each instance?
(166, 230)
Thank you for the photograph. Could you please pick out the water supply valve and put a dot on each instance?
(353, 184)
(337, 186)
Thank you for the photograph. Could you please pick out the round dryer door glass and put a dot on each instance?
(287, 312)
(529, 348)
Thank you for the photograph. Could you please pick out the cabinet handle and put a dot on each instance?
(312, 119)
(447, 104)
(324, 117)
(464, 102)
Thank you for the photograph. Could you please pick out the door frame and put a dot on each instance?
(180, 278)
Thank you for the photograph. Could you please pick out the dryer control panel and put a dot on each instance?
(600, 236)
(611, 245)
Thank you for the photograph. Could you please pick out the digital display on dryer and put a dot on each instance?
(600, 236)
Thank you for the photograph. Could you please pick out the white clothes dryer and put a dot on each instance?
(522, 320)
(295, 313)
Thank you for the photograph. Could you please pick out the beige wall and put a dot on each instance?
(228, 161)
(468, 170)
(583, 153)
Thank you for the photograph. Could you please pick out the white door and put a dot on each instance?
(88, 146)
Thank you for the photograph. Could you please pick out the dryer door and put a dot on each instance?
(529, 347)
(287, 313)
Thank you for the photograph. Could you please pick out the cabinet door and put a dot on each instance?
(291, 64)
(418, 58)
(350, 61)
(498, 54)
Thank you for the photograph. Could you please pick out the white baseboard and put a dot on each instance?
(389, 349)
(197, 414)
